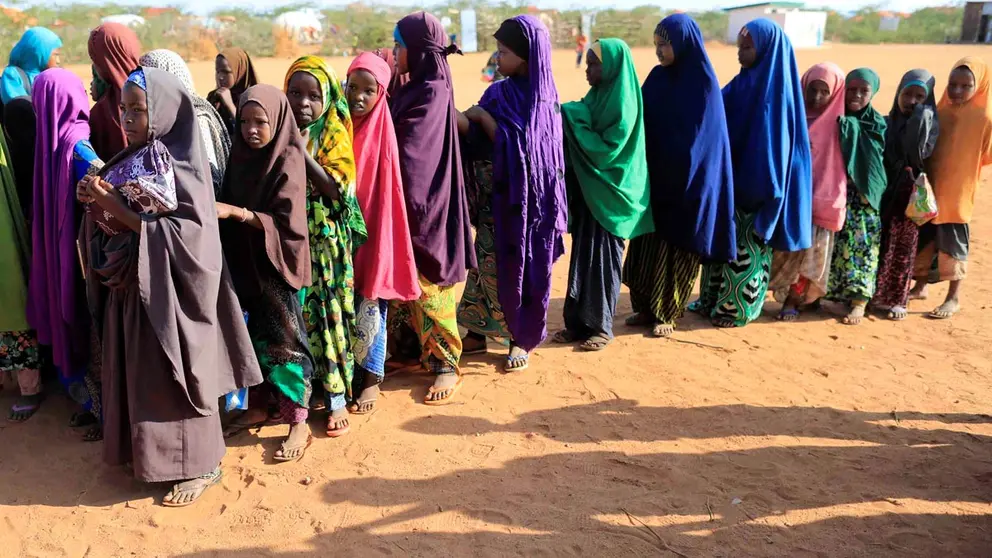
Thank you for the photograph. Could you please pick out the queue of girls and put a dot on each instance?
(165, 252)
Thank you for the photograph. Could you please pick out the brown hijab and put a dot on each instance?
(271, 182)
(244, 71)
(114, 50)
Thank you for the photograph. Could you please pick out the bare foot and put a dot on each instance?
(295, 445)
(945, 310)
(919, 291)
(898, 313)
(337, 423)
(366, 400)
(640, 319)
(188, 492)
(856, 314)
(663, 330)
(444, 388)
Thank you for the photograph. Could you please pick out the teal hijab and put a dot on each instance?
(862, 142)
(605, 145)
(28, 58)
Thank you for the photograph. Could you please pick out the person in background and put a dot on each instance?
(234, 74)
(385, 269)
(396, 79)
(862, 142)
(37, 50)
(213, 129)
(490, 73)
(114, 50)
(608, 195)
(263, 229)
(20, 126)
(173, 338)
(335, 227)
(581, 42)
(426, 124)
(56, 307)
(513, 139)
(964, 148)
(773, 181)
(910, 137)
(691, 179)
(801, 277)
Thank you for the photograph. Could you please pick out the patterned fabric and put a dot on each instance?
(369, 342)
(660, 276)
(146, 181)
(736, 290)
(806, 272)
(855, 261)
(85, 161)
(18, 351)
(897, 251)
(137, 77)
(480, 311)
(433, 319)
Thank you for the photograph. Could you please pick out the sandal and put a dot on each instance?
(365, 405)
(80, 419)
(597, 342)
(788, 315)
(451, 390)
(21, 412)
(472, 345)
(725, 323)
(945, 311)
(516, 362)
(639, 319)
(564, 337)
(663, 330)
(304, 447)
(194, 488)
(93, 434)
(337, 432)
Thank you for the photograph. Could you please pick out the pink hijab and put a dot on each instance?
(829, 171)
(384, 265)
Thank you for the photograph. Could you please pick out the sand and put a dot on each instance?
(807, 439)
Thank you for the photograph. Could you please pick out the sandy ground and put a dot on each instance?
(809, 439)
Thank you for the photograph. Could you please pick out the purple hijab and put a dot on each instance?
(528, 201)
(426, 125)
(56, 305)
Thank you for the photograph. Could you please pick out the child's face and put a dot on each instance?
(911, 96)
(663, 50)
(400, 56)
(134, 114)
(594, 69)
(746, 53)
(817, 96)
(858, 94)
(363, 93)
(507, 62)
(255, 127)
(223, 73)
(305, 98)
(55, 60)
(961, 85)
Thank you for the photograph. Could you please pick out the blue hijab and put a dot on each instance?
(31, 55)
(688, 151)
(766, 120)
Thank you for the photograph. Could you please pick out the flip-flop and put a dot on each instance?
(595, 343)
(216, 479)
(480, 350)
(790, 313)
(336, 432)
(80, 419)
(452, 390)
(663, 331)
(639, 319)
(356, 407)
(517, 363)
(305, 447)
(18, 409)
(93, 434)
(235, 427)
(564, 337)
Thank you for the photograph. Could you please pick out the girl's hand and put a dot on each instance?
(82, 189)
(224, 211)
(101, 192)
(225, 95)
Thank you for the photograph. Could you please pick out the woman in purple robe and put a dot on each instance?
(513, 143)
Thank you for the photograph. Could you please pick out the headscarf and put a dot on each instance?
(212, 126)
(511, 33)
(244, 71)
(769, 142)
(396, 79)
(20, 125)
(15, 250)
(529, 202)
(114, 49)
(964, 147)
(862, 141)
(56, 306)
(427, 134)
(184, 288)
(272, 182)
(605, 132)
(30, 55)
(829, 168)
(688, 151)
(911, 138)
(384, 265)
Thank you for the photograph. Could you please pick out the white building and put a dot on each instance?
(804, 28)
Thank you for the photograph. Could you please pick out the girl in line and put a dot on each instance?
(173, 338)
(608, 190)
(514, 138)
(213, 130)
(964, 148)
(263, 229)
(57, 300)
(862, 142)
(335, 227)
(234, 74)
(801, 277)
(692, 185)
(910, 137)
(114, 50)
(37, 50)
(769, 143)
(426, 125)
(385, 268)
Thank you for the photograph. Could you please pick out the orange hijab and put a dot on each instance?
(384, 264)
(963, 148)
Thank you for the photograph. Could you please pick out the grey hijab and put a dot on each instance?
(910, 139)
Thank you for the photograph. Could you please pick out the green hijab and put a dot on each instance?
(862, 142)
(605, 145)
(15, 250)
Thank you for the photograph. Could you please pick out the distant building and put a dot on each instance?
(804, 28)
(976, 26)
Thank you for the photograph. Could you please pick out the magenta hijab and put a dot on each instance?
(829, 170)
(56, 304)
